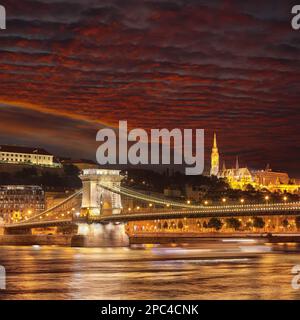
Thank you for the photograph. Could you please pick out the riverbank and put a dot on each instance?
(66, 240)
(29, 240)
(194, 238)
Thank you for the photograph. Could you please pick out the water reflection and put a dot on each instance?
(210, 270)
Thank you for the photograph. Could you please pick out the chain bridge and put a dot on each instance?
(103, 200)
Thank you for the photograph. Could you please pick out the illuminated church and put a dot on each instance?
(241, 177)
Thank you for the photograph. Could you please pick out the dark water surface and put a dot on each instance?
(211, 270)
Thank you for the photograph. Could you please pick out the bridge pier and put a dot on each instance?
(101, 235)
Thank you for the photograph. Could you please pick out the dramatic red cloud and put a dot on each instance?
(229, 66)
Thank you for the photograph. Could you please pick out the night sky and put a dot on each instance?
(70, 67)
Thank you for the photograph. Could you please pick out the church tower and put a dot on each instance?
(214, 170)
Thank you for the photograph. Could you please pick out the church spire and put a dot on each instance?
(214, 169)
(224, 166)
(215, 141)
(237, 166)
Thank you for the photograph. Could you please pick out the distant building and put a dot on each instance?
(276, 181)
(237, 177)
(241, 177)
(53, 198)
(269, 177)
(195, 193)
(20, 202)
(172, 192)
(26, 155)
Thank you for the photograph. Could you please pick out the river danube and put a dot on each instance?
(221, 269)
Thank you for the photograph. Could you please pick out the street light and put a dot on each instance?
(267, 198)
(188, 202)
(285, 198)
(242, 200)
(206, 202)
(224, 200)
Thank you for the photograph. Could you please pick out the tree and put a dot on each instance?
(249, 188)
(249, 224)
(233, 223)
(215, 223)
(258, 222)
(71, 170)
(180, 225)
(285, 223)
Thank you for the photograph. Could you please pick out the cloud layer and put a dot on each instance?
(226, 66)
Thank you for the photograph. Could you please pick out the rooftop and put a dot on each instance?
(21, 149)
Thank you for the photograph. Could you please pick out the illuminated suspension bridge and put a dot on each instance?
(102, 196)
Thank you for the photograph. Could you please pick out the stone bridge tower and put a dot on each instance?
(97, 200)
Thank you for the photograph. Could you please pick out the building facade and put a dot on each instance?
(242, 177)
(26, 155)
(18, 202)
